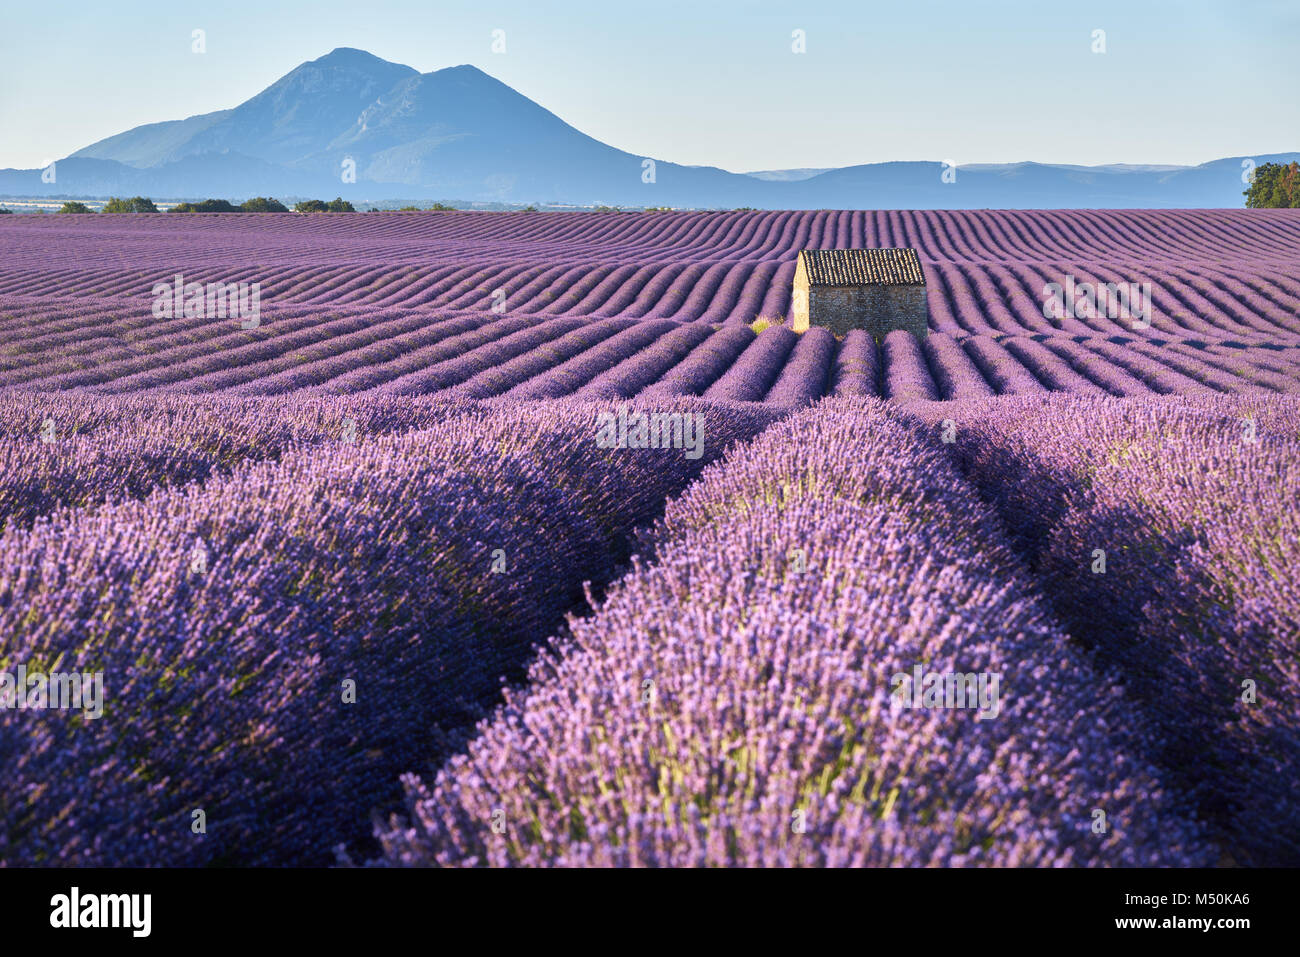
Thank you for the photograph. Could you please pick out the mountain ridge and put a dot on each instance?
(352, 124)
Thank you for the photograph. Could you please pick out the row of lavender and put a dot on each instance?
(473, 355)
(1211, 274)
(1206, 300)
(72, 450)
(279, 642)
(1005, 234)
(952, 235)
(735, 700)
(320, 558)
(1166, 536)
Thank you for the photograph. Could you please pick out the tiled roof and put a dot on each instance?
(856, 267)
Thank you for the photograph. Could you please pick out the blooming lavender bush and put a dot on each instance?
(227, 618)
(804, 378)
(730, 703)
(749, 379)
(640, 369)
(1166, 536)
(566, 377)
(76, 451)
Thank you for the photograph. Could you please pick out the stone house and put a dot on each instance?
(874, 289)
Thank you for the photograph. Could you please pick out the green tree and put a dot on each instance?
(5, 212)
(311, 206)
(1274, 187)
(71, 207)
(341, 205)
(136, 204)
(441, 208)
(207, 206)
(263, 204)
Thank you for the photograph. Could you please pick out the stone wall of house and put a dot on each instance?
(876, 308)
(799, 301)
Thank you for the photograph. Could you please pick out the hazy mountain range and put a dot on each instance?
(459, 134)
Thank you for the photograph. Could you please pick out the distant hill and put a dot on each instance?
(460, 134)
(789, 175)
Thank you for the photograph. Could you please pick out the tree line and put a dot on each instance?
(258, 204)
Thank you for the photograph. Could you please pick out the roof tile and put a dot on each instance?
(856, 267)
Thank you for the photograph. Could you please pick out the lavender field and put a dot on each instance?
(367, 584)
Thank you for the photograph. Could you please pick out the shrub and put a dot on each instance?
(71, 207)
(762, 322)
(263, 204)
(136, 204)
(207, 206)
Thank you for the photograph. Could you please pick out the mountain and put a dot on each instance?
(295, 116)
(459, 134)
(910, 185)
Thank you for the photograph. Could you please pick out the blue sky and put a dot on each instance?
(710, 82)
